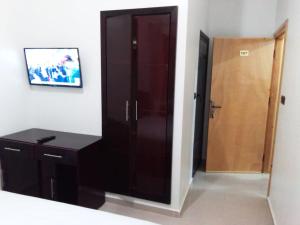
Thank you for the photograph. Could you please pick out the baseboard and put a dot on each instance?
(184, 202)
(233, 172)
(148, 206)
(272, 211)
(143, 205)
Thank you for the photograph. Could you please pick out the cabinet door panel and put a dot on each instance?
(19, 168)
(116, 81)
(48, 179)
(152, 175)
(59, 181)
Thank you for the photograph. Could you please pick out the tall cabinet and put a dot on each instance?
(138, 70)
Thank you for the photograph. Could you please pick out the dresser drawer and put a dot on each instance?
(16, 149)
(57, 155)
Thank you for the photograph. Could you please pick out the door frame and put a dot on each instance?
(205, 117)
(280, 36)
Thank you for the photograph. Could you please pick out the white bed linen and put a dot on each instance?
(23, 210)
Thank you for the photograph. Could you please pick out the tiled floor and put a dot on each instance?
(215, 199)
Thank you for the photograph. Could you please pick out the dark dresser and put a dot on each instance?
(60, 169)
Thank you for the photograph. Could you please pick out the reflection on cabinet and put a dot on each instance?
(138, 67)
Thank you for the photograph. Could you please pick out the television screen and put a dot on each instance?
(53, 66)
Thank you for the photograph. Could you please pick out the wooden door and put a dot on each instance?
(116, 102)
(241, 79)
(152, 157)
(200, 101)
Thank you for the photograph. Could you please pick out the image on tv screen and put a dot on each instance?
(54, 67)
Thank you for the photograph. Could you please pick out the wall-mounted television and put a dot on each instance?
(53, 66)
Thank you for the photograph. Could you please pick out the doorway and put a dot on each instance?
(199, 97)
(275, 99)
(243, 118)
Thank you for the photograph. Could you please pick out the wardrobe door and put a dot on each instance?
(116, 94)
(152, 159)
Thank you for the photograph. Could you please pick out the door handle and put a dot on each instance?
(216, 107)
(127, 113)
(212, 108)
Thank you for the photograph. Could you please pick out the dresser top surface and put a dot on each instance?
(62, 139)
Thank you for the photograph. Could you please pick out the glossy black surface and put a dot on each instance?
(66, 140)
(19, 168)
(61, 169)
(152, 63)
(138, 65)
(117, 101)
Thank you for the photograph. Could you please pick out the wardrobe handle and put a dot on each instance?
(12, 149)
(136, 110)
(1, 179)
(53, 156)
(127, 108)
(52, 188)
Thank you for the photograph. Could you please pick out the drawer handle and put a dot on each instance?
(12, 149)
(53, 156)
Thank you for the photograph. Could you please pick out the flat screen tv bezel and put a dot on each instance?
(53, 85)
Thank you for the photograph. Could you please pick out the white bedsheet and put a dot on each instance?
(23, 210)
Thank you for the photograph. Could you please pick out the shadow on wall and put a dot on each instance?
(60, 90)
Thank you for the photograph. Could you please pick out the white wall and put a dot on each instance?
(285, 189)
(197, 20)
(13, 91)
(74, 23)
(13, 86)
(252, 18)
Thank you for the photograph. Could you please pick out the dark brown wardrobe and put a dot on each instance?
(138, 71)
